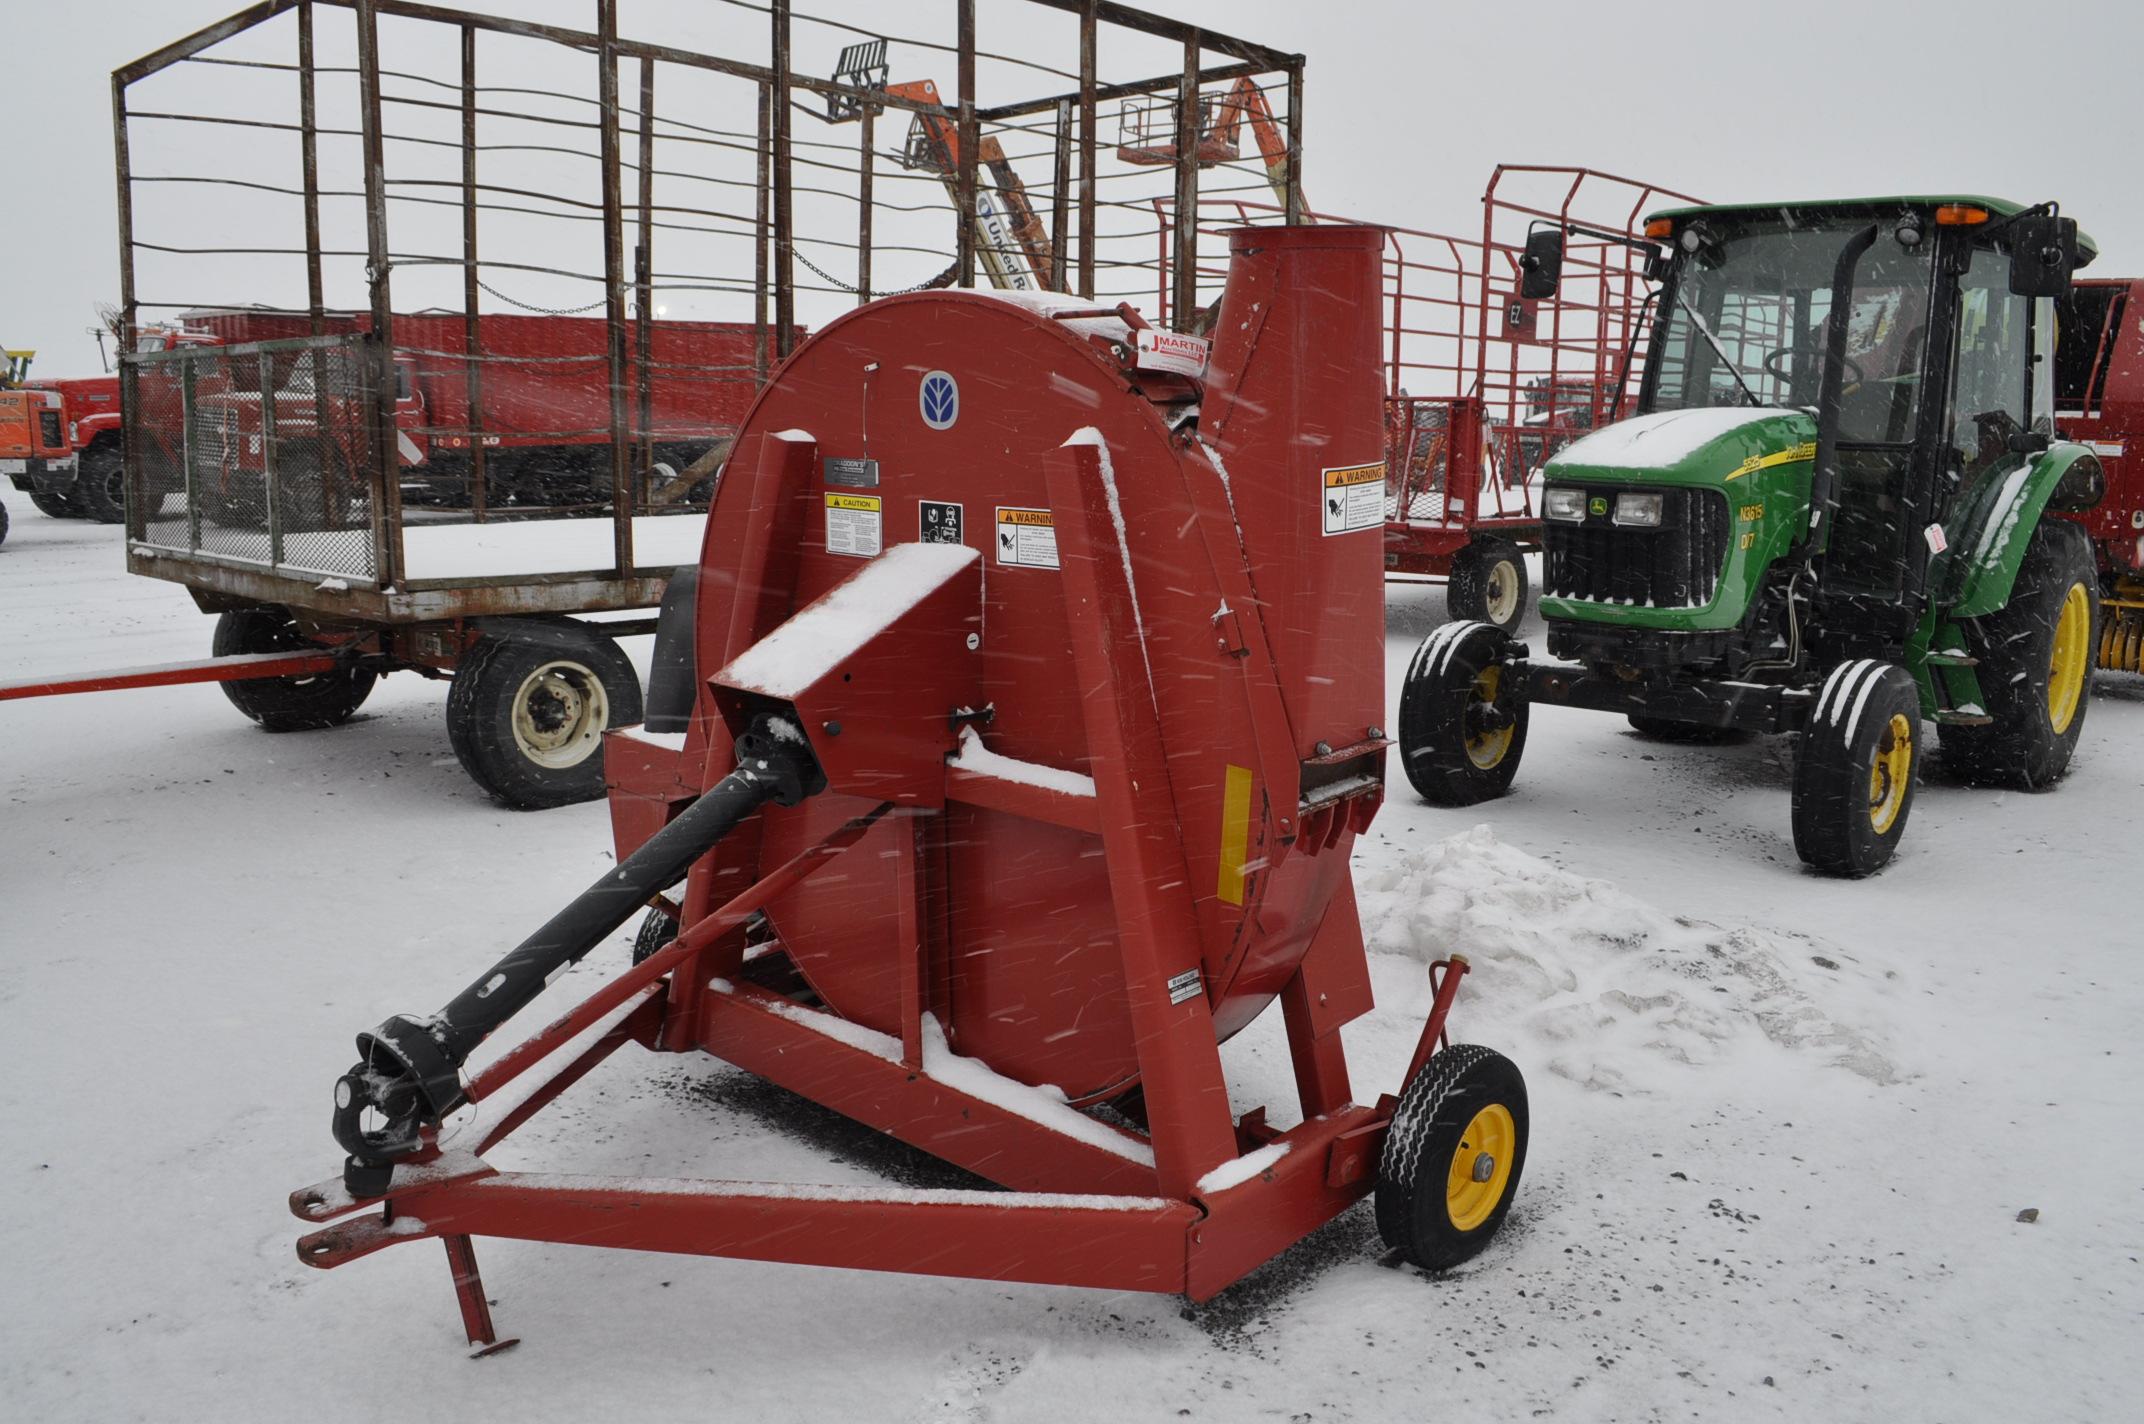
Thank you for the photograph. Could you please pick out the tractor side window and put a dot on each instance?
(403, 389)
(1994, 355)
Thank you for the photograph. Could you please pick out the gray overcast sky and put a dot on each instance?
(1409, 106)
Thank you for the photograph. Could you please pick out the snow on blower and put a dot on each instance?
(1008, 747)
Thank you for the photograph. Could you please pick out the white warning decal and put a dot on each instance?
(853, 524)
(1027, 538)
(1354, 498)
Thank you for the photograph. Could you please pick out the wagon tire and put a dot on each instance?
(1857, 767)
(286, 704)
(1453, 1158)
(529, 706)
(2035, 667)
(1462, 731)
(1488, 585)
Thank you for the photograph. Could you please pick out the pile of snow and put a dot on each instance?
(1609, 991)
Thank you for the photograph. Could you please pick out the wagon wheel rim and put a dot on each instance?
(559, 714)
(1501, 597)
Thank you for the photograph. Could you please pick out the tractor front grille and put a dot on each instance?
(1676, 565)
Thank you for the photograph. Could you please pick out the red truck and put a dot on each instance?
(2099, 399)
(542, 412)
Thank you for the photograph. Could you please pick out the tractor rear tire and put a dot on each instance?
(1461, 732)
(1664, 729)
(100, 484)
(1488, 585)
(2036, 658)
(529, 706)
(3, 524)
(1452, 1160)
(1859, 762)
(54, 503)
(286, 704)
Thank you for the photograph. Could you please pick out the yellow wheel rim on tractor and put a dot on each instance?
(2072, 655)
(1891, 773)
(1486, 750)
(1481, 1167)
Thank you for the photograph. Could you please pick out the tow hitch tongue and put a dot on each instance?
(409, 1070)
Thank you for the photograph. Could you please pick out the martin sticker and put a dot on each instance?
(938, 398)
(852, 524)
(1027, 538)
(939, 522)
(1185, 986)
(1170, 351)
(1354, 498)
(854, 474)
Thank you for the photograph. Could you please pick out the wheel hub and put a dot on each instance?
(560, 713)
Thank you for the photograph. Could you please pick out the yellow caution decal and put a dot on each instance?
(1235, 833)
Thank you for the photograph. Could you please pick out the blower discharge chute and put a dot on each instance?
(1032, 679)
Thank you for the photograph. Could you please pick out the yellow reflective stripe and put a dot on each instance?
(1235, 833)
(1788, 456)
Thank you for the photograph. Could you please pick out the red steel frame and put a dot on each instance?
(1481, 386)
(1079, 1211)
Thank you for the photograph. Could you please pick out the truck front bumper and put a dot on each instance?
(43, 475)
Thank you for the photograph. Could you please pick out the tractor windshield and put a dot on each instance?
(1748, 316)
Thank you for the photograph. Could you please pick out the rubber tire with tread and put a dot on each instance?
(286, 704)
(1432, 729)
(657, 929)
(480, 712)
(1466, 590)
(1413, 1213)
(1665, 729)
(54, 504)
(2015, 645)
(1833, 830)
(99, 484)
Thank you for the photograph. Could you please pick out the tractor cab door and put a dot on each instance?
(1999, 341)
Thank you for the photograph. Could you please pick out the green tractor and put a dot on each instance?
(1827, 517)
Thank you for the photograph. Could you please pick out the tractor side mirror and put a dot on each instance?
(2043, 252)
(1542, 266)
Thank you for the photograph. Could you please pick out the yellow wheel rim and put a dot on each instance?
(1481, 1167)
(2071, 657)
(1488, 749)
(1891, 773)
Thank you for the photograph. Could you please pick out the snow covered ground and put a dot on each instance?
(1783, 1127)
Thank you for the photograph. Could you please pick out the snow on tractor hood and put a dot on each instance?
(1710, 446)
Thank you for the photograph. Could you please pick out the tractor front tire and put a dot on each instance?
(1859, 762)
(529, 706)
(286, 704)
(1487, 585)
(1462, 731)
(657, 929)
(2036, 665)
(1452, 1160)
(100, 483)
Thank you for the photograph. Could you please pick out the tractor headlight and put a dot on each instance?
(1565, 506)
(1640, 511)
